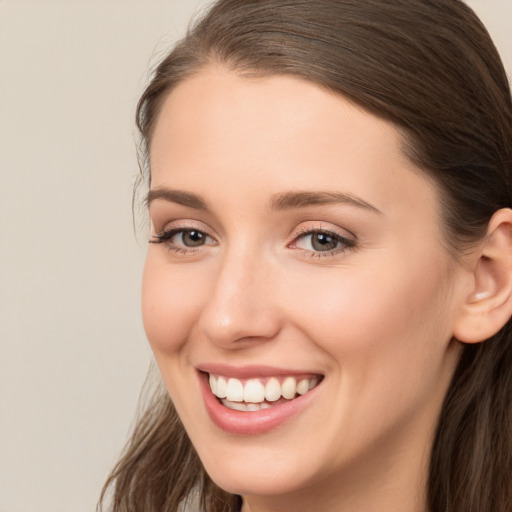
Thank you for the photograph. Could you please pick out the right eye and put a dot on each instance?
(190, 238)
(182, 239)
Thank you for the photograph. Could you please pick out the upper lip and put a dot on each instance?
(251, 371)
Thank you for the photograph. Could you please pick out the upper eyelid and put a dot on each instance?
(182, 229)
(185, 224)
(339, 232)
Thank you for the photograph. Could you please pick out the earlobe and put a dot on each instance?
(488, 305)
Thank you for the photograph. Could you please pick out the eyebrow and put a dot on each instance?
(291, 200)
(176, 196)
(279, 201)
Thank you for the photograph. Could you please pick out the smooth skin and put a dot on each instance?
(359, 288)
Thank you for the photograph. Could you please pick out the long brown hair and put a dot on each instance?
(429, 67)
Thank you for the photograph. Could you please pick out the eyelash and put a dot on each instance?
(164, 237)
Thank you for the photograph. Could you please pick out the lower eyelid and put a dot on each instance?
(325, 254)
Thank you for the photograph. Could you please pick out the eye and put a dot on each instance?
(182, 239)
(321, 241)
(190, 238)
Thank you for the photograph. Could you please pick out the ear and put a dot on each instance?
(488, 305)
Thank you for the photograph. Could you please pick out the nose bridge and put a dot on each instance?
(240, 305)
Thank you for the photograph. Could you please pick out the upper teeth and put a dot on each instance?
(256, 391)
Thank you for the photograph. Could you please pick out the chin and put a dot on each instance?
(261, 482)
(258, 471)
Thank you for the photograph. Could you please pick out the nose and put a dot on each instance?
(241, 308)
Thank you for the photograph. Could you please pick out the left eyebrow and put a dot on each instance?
(291, 200)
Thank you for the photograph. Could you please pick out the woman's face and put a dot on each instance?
(298, 265)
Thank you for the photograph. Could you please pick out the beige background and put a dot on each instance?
(73, 354)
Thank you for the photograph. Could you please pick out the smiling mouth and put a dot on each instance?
(252, 395)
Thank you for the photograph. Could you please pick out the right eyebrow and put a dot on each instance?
(176, 196)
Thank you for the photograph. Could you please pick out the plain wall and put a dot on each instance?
(73, 354)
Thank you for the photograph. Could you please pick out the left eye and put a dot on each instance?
(321, 241)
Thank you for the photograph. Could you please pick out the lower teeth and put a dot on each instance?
(250, 407)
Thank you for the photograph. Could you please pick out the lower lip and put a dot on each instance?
(253, 422)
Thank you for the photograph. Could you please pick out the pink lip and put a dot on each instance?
(255, 422)
(250, 371)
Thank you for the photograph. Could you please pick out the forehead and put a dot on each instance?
(279, 132)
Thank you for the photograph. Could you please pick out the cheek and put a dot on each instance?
(381, 327)
(171, 298)
(386, 338)
(358, 309)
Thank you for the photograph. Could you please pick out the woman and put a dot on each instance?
(327, 289)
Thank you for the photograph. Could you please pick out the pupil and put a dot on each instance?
(193, 238)
(323, 242)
